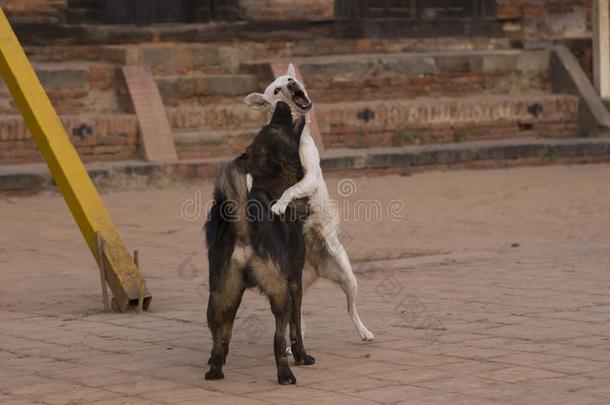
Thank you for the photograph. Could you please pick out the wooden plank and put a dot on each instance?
(279, 69)
(601, 48)
(66, 167)
(155, 132)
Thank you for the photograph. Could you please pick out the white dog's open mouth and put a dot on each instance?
(300, 99)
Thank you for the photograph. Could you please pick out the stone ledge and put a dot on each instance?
(175, 88)
(30, 178)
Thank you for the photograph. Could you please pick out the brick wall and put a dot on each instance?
(312, 10)
(545, 18)
(441, 120)
(110, 137)
(49, 11)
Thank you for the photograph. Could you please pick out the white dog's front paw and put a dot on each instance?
(279, 208)
(366, 335)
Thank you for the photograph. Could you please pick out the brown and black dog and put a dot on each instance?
(249, 246)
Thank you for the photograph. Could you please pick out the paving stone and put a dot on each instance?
(518, 373)
(352, 384)
(142, 385)
(81, 395)
(391, 393)
(503, 341)
(194, 395)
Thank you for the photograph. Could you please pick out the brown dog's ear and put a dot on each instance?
(282, 116)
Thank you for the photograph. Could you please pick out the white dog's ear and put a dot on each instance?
(256, 101)
(292, 72)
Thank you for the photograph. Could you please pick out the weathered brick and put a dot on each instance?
(102, 78)
(508, 12)
(398, 122)
(533, 11)
(315, 10)
(113, 136)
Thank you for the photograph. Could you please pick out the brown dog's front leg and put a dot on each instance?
(281, 307)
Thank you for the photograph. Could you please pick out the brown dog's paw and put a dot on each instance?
(305, 361)
(285, 376)
(214, 374)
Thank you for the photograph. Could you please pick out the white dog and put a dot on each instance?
(324, 218)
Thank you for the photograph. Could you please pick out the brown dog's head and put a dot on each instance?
(274, 152)
(282, 124)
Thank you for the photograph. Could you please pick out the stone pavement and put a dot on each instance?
(493, 288)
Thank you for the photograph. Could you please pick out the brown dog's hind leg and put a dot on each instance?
(222, 307)
(217, 356)
(273, 284)
(227, 326)
(296, 334)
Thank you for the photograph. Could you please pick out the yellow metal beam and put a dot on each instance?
(67, 169)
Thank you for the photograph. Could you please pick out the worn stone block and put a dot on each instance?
(64, 77)
(499, 63)
(230, 84)
(453, 63)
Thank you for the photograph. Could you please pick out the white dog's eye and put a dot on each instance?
(277, 90)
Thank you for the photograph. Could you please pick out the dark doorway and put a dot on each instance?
(415, 9)
(418, 17)
(147, 12)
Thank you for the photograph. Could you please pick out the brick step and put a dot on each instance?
(207, 144)
(220, 131)
(426, 120)
(74, 88)
(96, 137)
(7, 105)
(29, 178)
(374, 76)
(192, 86)
(162, 59)
(216, 117)
(171, 58)
(375, 115)
(221, 56)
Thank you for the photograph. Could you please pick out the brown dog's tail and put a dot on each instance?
(231, 192)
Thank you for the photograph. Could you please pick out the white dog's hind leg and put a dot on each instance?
(340, 271)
